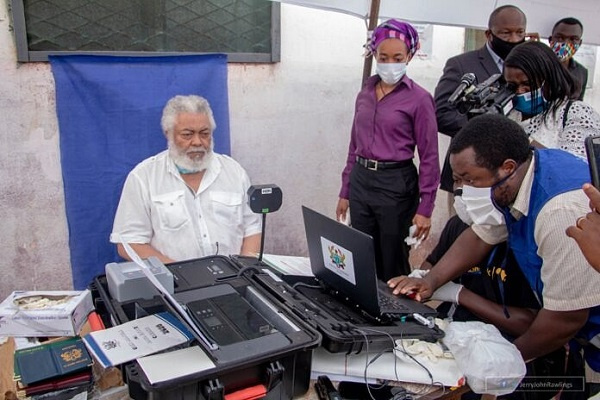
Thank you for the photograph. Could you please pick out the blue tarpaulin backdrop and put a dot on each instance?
(109, 111)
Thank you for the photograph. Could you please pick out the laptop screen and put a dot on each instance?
(343, 258)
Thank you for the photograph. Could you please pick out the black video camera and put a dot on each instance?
(493, 95)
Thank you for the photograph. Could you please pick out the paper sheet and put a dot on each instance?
(181, 362)
(137, 338)
(289, 265)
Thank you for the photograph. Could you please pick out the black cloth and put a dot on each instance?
(383, 204)
(486, 278)
(580, 74)
(449, 120)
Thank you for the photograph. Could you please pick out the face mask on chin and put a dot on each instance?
(391, 73)
(187, 165)
(502, 47)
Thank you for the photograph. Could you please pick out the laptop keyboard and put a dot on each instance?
(388, 302)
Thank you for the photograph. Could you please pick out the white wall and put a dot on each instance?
(290, 126)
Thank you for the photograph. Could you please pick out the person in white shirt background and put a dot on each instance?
(545, 103)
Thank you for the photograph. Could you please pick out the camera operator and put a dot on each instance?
(545, 100)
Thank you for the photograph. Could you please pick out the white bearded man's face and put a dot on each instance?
(190, 143)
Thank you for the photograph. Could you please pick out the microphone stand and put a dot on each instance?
(262, 238)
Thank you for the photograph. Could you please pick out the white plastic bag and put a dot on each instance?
(491, 364)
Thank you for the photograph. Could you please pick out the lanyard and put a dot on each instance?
(498, 276)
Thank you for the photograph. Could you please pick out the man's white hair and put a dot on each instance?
(185, 104)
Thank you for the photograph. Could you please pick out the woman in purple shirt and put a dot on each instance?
(380, 184)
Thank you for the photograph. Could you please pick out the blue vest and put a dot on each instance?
(555, 172)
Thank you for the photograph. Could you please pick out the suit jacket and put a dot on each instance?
(449, 120)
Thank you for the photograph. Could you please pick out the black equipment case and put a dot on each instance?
(277, 359)
(344, 328)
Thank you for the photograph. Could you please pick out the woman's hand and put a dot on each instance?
(342, 209)
(423, 225)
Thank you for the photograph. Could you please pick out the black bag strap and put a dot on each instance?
(566, 113)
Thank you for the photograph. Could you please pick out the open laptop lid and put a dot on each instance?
(343, 258)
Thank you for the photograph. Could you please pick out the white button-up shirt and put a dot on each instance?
(570, 283)
(158, 208)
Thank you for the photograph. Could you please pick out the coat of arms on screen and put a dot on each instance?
(337, 257)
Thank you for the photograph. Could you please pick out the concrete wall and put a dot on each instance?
(290, 126)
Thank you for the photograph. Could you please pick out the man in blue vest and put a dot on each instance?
(539, 194)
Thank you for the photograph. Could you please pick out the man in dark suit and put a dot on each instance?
(506, 29)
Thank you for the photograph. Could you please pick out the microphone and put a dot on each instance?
(466, 81)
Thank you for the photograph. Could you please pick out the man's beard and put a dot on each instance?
(197, 163)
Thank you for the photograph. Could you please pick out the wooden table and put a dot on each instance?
(7, 384)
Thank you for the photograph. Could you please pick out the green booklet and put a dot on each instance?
(51, 360)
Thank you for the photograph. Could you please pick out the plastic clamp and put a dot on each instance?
(274, 375)
(214, 390)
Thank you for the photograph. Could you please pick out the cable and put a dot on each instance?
(433, 383)
(368, 363)
(302, 284)
(246, 269)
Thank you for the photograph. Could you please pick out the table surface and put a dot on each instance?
(6, 368)
(7, 384)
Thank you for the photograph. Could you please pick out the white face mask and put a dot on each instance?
(461, 210)
(391, 73)
(476, 207)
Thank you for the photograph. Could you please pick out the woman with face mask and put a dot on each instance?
(381, 189)
(544, 101)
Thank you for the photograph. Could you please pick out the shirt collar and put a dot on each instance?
(497, 60)
(171, 167)
(520, 206)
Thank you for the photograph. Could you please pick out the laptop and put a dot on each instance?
(343, 259)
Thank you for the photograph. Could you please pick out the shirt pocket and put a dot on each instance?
(171, 210)
(227, 207)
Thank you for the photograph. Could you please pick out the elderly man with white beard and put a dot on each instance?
(187, 201)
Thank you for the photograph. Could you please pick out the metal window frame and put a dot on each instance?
(17, 11)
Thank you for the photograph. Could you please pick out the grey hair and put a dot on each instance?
(185, 104)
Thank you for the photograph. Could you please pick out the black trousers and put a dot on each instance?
(383, 204)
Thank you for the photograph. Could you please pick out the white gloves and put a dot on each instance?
(447, 292)
(418, 273)
(433, 352)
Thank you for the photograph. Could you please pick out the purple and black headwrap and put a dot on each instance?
(393, 28)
